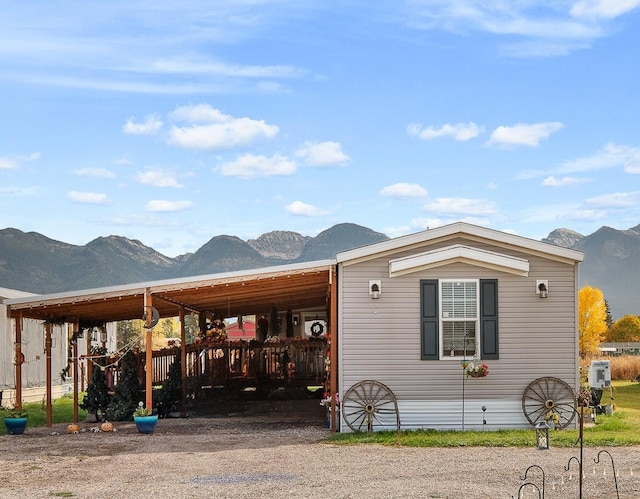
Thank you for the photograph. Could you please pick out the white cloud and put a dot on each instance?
(461, 205)
(611, 155)
(632, 165)
(199, 113)
(303, 209)
(157, 177)
(459, 131)
(561, 182)
(95, 172)
(220, 131)
(403, 190)
(523, 134)
(528, 28)
(616, 200)
(166, 206)
(602, 8)
(250, 166)
(322, 154)
(9, 163)
(88, 197)
(150, 126)
(13, 162)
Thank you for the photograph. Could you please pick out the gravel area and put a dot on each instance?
(285, 455)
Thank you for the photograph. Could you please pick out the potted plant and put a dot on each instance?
(145, 419)
(15, 421)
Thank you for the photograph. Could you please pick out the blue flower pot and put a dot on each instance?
(146, 424)
(15, 426)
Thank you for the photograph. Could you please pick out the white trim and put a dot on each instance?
(458, 253)
(459, 229)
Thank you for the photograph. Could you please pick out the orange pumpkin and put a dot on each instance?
(106, 426)
(73, 428)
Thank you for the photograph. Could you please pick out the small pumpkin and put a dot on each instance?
(73, 428)
(106, 426)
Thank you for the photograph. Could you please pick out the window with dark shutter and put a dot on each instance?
(489, 319)
(429, 320)
(459, 319)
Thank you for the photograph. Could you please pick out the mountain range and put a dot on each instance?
(32, 262)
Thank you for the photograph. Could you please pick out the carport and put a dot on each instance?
(289, 287)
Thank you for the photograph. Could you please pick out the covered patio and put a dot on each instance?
(299, 289)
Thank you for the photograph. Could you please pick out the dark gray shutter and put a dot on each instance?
(489, 318)
(429, 319)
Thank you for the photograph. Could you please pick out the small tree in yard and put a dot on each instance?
(592, 317)
(127, 392)
(96, 400)
(170, 399)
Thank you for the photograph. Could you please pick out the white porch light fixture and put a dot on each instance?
(375, 289)
(542, 288)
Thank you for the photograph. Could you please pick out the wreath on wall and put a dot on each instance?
(317, 328)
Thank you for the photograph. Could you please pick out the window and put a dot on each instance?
(459, 318)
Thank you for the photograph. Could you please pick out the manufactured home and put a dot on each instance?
(457, 327)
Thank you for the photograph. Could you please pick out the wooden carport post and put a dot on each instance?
(333, 327)
(183, 361)
(47, 349)
(18, 361)
(74, 346)
(149, 352)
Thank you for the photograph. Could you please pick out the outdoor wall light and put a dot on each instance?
(375, 289)
(296, 320)
(542, 288)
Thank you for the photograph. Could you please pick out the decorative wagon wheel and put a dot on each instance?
(549, 394)
(369, 403)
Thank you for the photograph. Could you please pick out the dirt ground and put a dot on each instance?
(279, 450)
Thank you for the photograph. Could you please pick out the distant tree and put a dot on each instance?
(167, 327)
(625, 329)
(130, 333)
(609, 319)
(592, 320)
(191, 328)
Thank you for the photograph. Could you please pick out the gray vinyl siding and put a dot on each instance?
(380, 339)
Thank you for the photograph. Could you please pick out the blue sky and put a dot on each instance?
(173, 122)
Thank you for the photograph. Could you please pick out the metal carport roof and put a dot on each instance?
(296, 286)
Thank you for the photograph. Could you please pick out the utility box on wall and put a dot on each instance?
(600, 374)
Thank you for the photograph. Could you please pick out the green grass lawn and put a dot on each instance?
(621, 428)
(36, 412)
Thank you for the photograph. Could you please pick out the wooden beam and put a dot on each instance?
(18, 361)
(333, 365)
(74, 346)
(183, 362)
(149, 351)
(47, 349)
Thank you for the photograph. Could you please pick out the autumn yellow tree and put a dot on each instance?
(592, 320)
(625, 329)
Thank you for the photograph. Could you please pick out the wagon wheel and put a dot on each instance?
(549, 394)
(369, 403)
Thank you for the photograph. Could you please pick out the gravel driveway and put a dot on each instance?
(284, 456)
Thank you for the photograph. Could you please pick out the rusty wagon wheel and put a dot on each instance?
(369, 403)
(547, 394)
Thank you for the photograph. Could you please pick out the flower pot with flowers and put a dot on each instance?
(477, 370)
(552, 418)
(326, 403)
(144, 418)
(15, 420)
